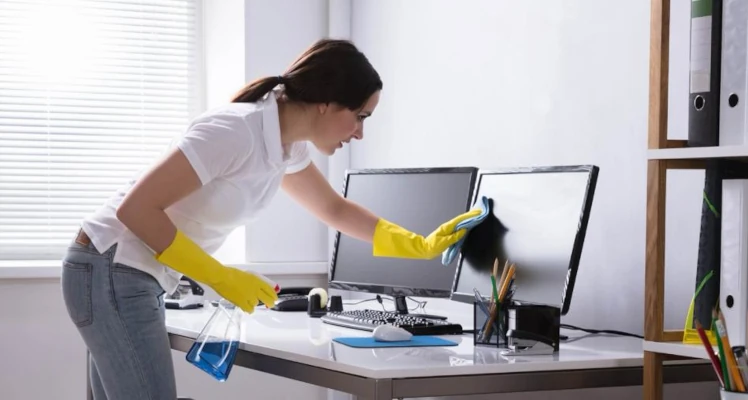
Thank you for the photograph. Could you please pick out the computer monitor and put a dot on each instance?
(418, 200)
(538, 222)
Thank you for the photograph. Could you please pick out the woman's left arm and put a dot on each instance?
(309, 188)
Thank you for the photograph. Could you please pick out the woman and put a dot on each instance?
(224, 170)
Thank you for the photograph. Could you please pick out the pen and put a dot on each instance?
(479, 300)
(484, 308)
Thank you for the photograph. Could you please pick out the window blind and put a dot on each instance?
(91, 92)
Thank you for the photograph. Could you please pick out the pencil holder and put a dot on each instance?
(725, 395)
(490, 324)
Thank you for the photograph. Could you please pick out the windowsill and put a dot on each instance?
(30, 269)
(38, 269)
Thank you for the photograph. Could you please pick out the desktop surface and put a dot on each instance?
(297, 337)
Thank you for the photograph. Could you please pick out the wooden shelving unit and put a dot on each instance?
(663, 154)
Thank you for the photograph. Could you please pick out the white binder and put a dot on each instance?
(733, 91)
(733, 294)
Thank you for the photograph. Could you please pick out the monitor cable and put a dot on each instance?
(419, 304)
(601, 331)
(380, 300)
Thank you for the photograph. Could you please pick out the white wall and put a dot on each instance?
(276, 33)
(497, 83)
(245, 40)
(224, 49)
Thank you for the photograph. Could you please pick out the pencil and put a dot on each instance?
(503, 272)
(739, 352)
(495, 291)
(720, 347)
(490, 321)
(505, 285)
(710, 353)
(732, 365)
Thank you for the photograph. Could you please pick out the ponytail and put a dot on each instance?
(257, 89)
(329, 71)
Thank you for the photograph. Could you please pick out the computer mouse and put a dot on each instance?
(390, 333)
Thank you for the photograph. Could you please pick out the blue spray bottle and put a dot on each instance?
(214, 350)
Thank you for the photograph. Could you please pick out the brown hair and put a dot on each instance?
(329, 71)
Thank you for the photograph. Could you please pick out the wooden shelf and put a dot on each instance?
(699, 153)
(676, 349)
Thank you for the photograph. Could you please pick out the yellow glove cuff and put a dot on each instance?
(185, 256)
(391, 240)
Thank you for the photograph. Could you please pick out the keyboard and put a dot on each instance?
(367, 320)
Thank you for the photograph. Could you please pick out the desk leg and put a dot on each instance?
(89, 392)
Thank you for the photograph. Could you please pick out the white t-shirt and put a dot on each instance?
(237, 153)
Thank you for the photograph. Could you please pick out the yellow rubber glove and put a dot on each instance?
(391, 240)
(241, 288)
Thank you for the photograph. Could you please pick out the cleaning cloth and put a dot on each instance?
(449, 255)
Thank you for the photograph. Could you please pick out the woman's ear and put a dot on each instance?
(322, 107)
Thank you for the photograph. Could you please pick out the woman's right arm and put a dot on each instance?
(206, 152)
(143, 208)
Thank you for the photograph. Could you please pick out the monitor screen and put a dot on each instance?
(537, 222)
(418, 200)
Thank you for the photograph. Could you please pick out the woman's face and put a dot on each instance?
(338, 125)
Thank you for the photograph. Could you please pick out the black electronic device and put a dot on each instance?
(538, 222)
(292, 299)
(315, 308)
(418, 199)
(533, 329)
(367, 320)
(189, 295)
(336, 304)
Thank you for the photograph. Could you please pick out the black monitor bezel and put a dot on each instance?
(576, 253)
(383, 289)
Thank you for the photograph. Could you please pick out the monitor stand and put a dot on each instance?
(401, 307)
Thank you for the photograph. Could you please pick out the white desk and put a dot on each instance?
(295, 346)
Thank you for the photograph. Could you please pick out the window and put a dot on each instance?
(91, 92)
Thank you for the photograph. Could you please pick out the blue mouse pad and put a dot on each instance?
(415, 341)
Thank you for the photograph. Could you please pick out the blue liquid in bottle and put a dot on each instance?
(215, 349)
(215, 358)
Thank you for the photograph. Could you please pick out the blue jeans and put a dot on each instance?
(119, 312)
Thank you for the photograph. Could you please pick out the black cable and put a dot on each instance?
(358, 302)
(601, 331)
(379, 299)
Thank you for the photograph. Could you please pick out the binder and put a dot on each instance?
(705, 71)
(733, 74)
(707, 287)
(703, 130)
(734, 264)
